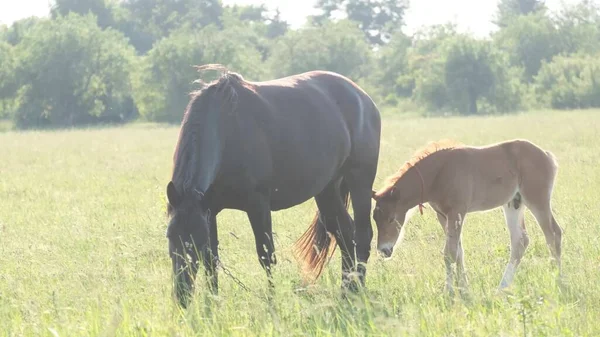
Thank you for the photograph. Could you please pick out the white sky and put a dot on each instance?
(470, 15)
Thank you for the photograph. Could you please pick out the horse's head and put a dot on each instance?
(389, 215)
(188, 233)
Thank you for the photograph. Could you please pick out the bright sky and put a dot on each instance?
(470, 15)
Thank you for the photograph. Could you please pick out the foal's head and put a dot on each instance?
(404, 191)
(390, 214)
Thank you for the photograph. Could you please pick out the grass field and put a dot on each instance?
(83, 252)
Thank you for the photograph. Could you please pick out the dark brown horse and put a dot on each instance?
(266, 146)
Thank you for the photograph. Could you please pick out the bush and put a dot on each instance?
(530, 40)
(70, 72)
(570, 82)
(7, 80)
(167, 76)
(340, 47)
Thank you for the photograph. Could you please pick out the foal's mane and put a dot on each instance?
(223, 89)
(422, 153)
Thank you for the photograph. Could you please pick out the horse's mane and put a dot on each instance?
(223, 89)
(424, 152)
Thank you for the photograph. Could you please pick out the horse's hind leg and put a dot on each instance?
(360, 183)
(514, 213)
(259, 214)
(334, 215)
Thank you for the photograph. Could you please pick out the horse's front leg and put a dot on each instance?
(259, 214)
(211, 262)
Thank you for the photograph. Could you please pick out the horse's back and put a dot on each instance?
(317, 94)
(311, 126)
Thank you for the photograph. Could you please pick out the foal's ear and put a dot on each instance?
(172, 195)
(393, 192)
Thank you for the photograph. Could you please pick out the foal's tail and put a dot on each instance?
(316, 246)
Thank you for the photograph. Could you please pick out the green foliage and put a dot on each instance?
(70, 72)
(99, 8)
(334, 46)
(7, 78)
(391, 69)
(15, 33)
(430, 89)
(167, 75)
(435, 70)
(570, 82)
(579, 27)
(508, 10)
(468, 72)
(159, 18)
(460, 74)
(509, 91)
(529, 40)
(272, 26)
(378, 19)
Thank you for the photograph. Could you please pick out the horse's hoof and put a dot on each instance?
(465, 294)
(450, 292)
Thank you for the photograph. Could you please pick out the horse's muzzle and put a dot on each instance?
(185, 268)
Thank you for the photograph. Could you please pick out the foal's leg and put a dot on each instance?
(514, 213)
(463, 282)
(453, 247)
(536, 189)
(259, 214)
(551, 229)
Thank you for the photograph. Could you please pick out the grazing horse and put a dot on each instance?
(455, 180)
(266, 146)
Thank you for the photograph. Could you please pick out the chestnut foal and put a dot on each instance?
(455, 180)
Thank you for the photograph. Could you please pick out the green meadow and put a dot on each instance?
(83, 250)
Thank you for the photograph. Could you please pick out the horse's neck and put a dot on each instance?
(205, 151)
(421, 179)
(210, 163)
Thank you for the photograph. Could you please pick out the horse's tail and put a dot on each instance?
(316, 246)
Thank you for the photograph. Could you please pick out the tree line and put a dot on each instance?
(109, 61)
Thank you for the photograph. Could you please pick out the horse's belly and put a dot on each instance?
(303, 169)
(301, 186)
(281, 200)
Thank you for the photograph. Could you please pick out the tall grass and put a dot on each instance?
(83, 252)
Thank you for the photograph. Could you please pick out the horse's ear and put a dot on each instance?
(172, 195)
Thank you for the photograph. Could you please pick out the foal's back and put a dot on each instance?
(489, 176)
